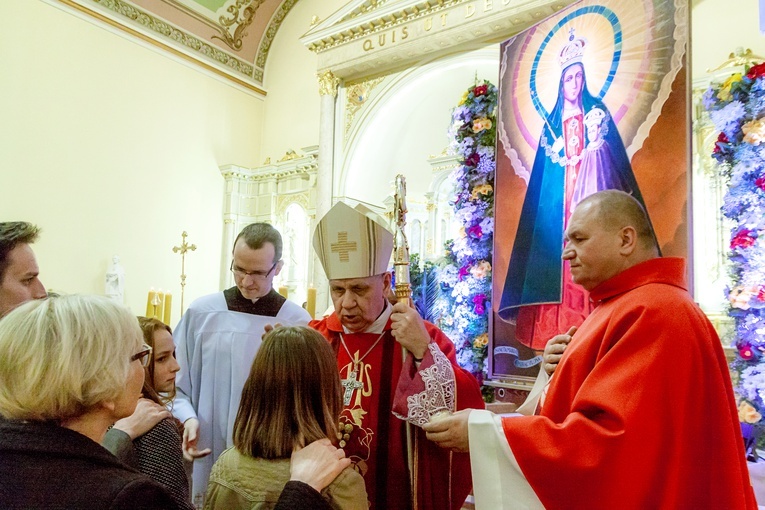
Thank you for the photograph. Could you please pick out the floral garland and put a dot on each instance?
(737, 109)
(465, 275)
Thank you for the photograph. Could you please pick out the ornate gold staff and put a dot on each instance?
(183, 248)
(403, 287)
(403, 291)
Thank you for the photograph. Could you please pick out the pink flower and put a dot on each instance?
(760, 182)
(745, 352)
(475, 231)
(464, 270)
(745, 238)
(479, 301)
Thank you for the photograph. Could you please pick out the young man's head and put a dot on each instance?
(257, 259)
(19, 273)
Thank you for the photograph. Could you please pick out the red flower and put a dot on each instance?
(743, 239)
(745, 352)
(480, 90)
(761, 294)
(756, 71)
(721, 140)
(473, 159)
(760, 182)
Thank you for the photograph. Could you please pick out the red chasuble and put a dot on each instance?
(640, 412)
(375, 440)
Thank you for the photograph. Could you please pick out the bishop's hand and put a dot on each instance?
(449, 430)
(409, 330)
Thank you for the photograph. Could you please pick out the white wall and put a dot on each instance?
(718, 27)
(113, 148)
(406, 123)
(291, 114)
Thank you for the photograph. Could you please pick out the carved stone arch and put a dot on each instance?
(268, 36)
(284, 201)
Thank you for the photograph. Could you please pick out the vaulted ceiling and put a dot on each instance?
(230, 37)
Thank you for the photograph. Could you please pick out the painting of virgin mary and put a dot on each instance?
(536, 274)
(579, 95)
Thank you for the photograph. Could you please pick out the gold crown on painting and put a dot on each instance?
(352, 242)
(572, 51)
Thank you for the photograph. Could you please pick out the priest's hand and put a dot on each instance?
(318, 464)
(268, 328)
(145, 417)
(554, 350)
(449, 431)
(190, 438)
(408, 329)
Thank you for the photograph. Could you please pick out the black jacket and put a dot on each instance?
(46, 466)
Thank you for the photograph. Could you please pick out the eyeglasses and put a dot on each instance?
(143, 355)
(255, 275)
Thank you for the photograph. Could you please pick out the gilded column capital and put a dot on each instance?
(328, 83)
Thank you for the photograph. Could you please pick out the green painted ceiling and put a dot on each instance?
(213, 5)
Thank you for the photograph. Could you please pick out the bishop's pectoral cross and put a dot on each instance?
(352, 383)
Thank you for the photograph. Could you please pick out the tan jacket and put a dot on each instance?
(241, 482)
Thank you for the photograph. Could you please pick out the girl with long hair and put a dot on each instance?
(292, 397)
(159, 452)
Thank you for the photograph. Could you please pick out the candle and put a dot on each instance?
(168, 308)
(159, 300)
(284, 291)
(150, 302)
(311, 302)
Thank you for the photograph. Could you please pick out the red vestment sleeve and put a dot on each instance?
(640, 413)
(439, 487)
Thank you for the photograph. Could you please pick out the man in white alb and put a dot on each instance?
(217, 339)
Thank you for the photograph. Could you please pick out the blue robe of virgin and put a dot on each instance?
(535, 270)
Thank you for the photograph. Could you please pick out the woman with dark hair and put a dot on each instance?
(292, 397)
(158, 452)
(539, 295)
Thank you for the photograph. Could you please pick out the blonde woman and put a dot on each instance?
(291, 398)
(69, 368)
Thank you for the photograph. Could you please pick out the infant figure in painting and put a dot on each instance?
(597, 170)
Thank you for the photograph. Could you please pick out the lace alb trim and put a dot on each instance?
(439, 391)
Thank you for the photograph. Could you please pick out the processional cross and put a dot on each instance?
(183, 248)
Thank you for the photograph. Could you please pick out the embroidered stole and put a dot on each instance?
(371, 436)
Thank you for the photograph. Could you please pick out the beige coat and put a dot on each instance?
(240, 482)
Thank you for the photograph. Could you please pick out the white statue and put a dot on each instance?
(115, 281)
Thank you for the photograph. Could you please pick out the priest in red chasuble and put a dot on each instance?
(396, 370)
(640, 412)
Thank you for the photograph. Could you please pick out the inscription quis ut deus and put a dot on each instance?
(471, 11)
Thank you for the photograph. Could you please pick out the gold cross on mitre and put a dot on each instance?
(343, 246)
(346, 230)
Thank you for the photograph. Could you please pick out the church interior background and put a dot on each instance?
(127, 123)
